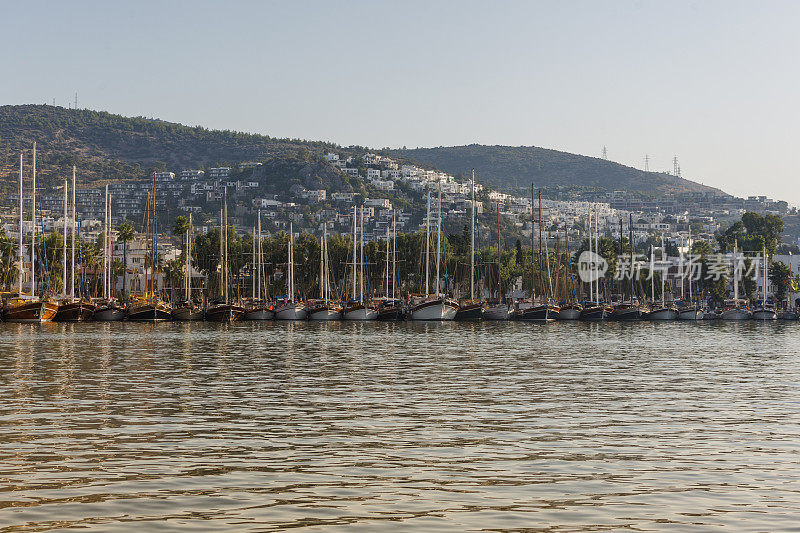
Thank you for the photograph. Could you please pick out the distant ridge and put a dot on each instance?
(516, 166)
(107, 147)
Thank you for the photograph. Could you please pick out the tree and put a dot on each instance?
(125, 233)
(780, 276)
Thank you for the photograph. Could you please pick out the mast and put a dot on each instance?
(64, 251)
(111, 285)
(253, 271)
(533, 245)
(735, 272)
(591, 283)
(355, 251)
(596, 250)
(189, 260)
(225, 270)
(361, 259)
(21, 224)
(33, 229)
(395, 287)
(388, 242)
(652, 276)
(326, 270)
(630, 239)
(427, 244)
(72, 252)
(472, 244)
(690, 261)
(766, 279)
(105, 245)
(260, 256)
(438, 237)
(322, 270)
(291, 262)
(663, 253)
(499, 240)
(221, 256)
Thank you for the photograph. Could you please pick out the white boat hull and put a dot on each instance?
(497, 312)
(434, 311)
(765, 314)
(259, 314)
(569, 314)
(691, 314)
(662, 314)
(291, 312)
(736, 314)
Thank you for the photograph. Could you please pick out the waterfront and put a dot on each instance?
(457, 426)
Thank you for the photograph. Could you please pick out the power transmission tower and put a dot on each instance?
(646, 163)
(676, 168)
(605, 153)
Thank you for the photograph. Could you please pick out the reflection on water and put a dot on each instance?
(369, 426)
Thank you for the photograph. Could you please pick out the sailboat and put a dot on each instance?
(497, 310)
(108, 308)
(689, 309)
(765, 310)
(359, 309)
(187, 309)
(33, 307)
(73, 309)
(391, 308)
(472, 309)
(290, 308)
(736, 309)
(324, 308)
(223, 309)
(571, 308)
(258, 308)
(595, 310)
(437, 306)
(628, 310)
(149, 307)
(663, 311)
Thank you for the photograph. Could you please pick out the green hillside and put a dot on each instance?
(509, 167)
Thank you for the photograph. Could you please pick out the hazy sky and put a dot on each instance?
(715, 83)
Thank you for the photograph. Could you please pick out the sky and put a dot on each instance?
(713, 83)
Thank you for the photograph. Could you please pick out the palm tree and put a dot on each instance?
(125, 233)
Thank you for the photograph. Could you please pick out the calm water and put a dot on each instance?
(400, 426)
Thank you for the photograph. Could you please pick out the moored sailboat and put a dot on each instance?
(288, 308)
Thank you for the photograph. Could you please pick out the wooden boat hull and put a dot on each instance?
(292, 311)
(75, 312)
(435, 310)
(472, 311)
(324, 312)
(736, 314)
(712, 315)
(108, 314)
(595, 313)
(540, 313)
(36, 311)
(360, 312)
(497, 312)
(787, 315)
(187, 313)
(224, 313)
(394, 312)
(765, 314)
(627, 313)
(150, 312)
(260, 313)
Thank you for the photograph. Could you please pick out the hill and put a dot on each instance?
(510, 167)
(108, 147)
